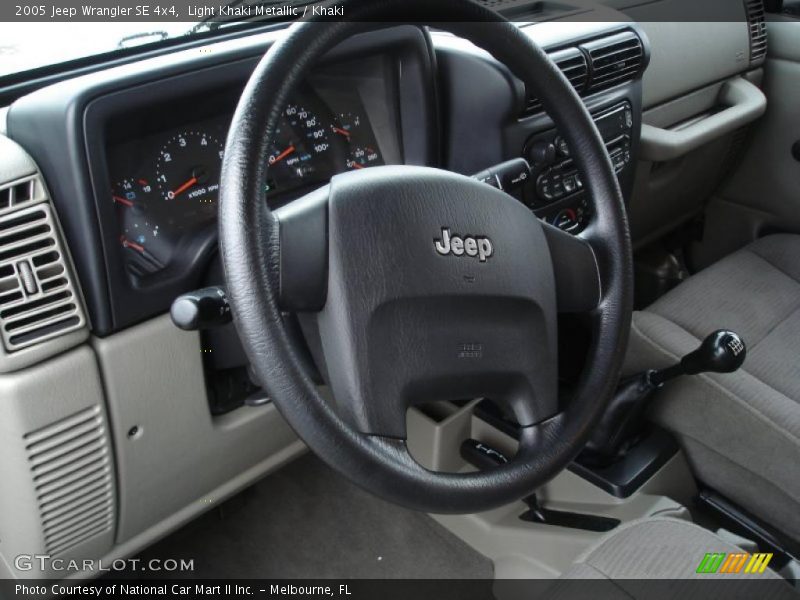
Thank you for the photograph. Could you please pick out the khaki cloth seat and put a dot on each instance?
(740, 431)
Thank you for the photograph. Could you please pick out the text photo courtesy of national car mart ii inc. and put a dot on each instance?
(179, 11)
(183, 590)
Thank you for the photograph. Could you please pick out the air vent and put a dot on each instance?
(614, 60)
(72, 477)
(20, 193)
(757, 29)
(37, 298)
(572, 63)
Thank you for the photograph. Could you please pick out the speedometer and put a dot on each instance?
(310, 127)
(300, 149)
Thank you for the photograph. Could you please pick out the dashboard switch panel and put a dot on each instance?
(556, 177)
(556, 191)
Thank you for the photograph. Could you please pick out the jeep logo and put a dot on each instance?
(457, 246)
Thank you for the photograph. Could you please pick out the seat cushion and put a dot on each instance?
(741, 431)
(632, 559)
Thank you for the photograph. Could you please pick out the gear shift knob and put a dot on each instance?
(721, 352)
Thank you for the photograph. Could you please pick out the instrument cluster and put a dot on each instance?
(165, 185)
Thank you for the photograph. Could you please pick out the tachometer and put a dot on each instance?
(187, 173)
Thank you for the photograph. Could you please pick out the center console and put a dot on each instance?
(604, 62)
(556, 191)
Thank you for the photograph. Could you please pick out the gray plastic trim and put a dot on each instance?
(56, 464)
(15, 163)
(51, 285)
(688, 55)
(172, 454)
(521, 549)
(16, 167)
(744, 103)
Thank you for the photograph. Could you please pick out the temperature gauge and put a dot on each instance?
(362, 157)
(363, 150)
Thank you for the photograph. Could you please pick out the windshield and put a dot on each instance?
(34, 44)
(25, 46)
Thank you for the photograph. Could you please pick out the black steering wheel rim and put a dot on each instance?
(251, 253)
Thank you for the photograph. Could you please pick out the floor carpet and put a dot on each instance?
(306, 521)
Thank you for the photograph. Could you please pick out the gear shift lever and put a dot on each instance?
(721, 352)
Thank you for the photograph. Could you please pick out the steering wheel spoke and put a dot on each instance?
(303, 259)
(578, 286)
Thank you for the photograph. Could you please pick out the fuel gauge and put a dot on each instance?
(146, 249)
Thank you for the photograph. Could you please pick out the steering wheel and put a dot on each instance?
(425, 285)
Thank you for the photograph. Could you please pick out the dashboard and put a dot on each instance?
(165, 177)
(133, 154)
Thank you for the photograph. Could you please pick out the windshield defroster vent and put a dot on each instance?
(38, 300)
(757, 29)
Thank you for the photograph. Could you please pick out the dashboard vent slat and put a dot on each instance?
(756, 18)
(37, 298)
(572, 63)
(614, 60)
(20, 193)
(597, 65)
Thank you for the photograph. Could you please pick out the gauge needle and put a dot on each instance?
(343, 132)
(122, 201)
(184, 187)
(283, 155)
(129, 244)
(357, 166)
